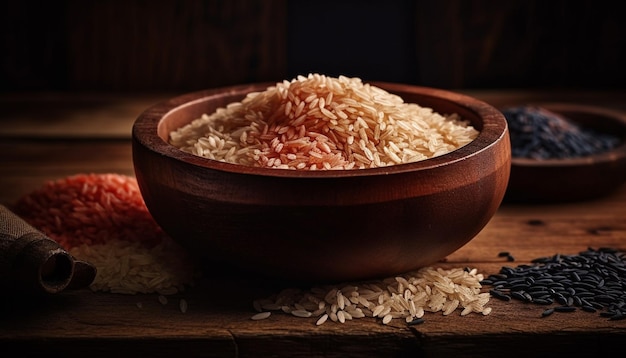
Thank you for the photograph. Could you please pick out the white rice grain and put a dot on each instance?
(406, 297)
(301, 313)
(261, 315)
(322, 319)
(341, 317)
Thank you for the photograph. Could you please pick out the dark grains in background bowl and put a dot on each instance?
(592, 281)
(538, 133)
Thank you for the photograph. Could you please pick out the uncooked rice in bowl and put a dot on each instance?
(319, 122)
(102, 219)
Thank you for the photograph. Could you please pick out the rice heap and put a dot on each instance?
(319, 122)
(102, 219)
(405, 297)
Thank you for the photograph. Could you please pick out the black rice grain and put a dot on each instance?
(592, 281)
(535, 222)
(538, 133)
(519, 295)
(508, 256)
(416, 322)
(499, 295)
(547, 312)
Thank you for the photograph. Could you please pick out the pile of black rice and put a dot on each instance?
(538, 133)
(592, 281)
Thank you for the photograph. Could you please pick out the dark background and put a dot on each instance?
(176, 45)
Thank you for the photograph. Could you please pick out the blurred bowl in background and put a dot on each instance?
(324, 225)
(573, 178)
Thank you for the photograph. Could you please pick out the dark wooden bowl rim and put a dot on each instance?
(148, 131)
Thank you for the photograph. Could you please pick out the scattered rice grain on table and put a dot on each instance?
(593, 280)
(317, 122)
(102, 219)
(406, 297)
(183, 305)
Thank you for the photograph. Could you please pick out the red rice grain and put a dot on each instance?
(90, 209)
(102, 219)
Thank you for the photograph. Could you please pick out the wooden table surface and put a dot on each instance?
(47, 136)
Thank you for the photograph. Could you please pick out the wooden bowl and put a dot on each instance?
(324, 225)
(572, 179)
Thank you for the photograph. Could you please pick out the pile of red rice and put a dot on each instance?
(102, 219)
